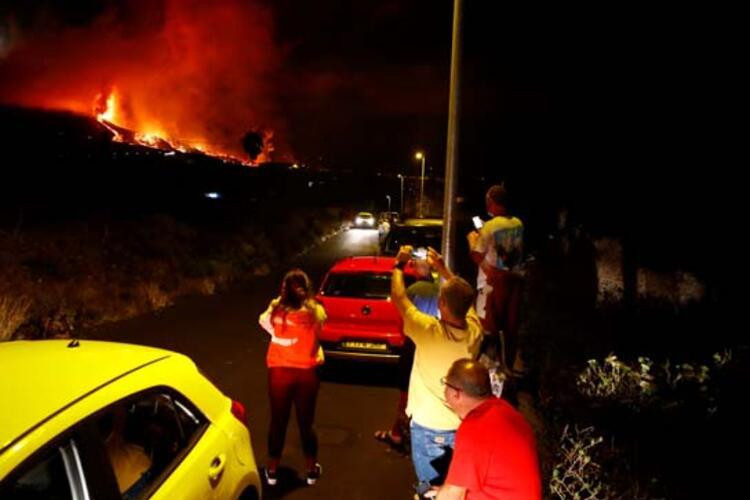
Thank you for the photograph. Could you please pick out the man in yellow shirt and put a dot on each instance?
(439, 342)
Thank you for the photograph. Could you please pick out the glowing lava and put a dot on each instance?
(159, 74)
(107, 112)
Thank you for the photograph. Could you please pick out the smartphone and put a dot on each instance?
(478, 222)
(419, 253)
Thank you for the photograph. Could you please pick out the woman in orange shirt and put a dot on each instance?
(293, 320)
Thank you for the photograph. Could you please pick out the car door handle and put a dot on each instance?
(217, 467)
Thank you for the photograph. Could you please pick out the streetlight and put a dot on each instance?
(401, 177)
(421, 156)
(389, 202)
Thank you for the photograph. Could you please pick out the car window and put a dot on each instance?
(360, 285)
(46, 478)
(145, 438)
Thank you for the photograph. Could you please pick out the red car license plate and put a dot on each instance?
(365, 346)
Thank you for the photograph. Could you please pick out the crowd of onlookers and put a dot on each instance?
(455, 411)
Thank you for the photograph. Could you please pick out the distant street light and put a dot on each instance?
(389, 201)
(421, 156)
(401, 177)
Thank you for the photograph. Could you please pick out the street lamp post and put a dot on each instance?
(421, 156)
(451, 160)
(401, 177)
(388, 197)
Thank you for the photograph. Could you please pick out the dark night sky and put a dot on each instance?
(624, 108)
(542, 84)
(611, 102)
(366, 82)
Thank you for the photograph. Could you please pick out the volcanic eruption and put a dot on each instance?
(171, 74)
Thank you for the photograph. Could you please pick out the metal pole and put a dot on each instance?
(388, 197)
(451, 157)
(402, 195)
(421, 191)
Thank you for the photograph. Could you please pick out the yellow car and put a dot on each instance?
(92, 420)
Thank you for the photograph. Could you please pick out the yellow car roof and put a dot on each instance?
(40, 378)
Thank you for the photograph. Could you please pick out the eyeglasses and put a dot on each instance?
(445, 382)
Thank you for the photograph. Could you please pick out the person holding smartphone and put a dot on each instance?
(497, 248)
(439, 342)
(424, 295)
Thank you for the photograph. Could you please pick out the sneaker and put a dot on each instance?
(313, 475)
(270, 477)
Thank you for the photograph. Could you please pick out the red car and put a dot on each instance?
(362, 322)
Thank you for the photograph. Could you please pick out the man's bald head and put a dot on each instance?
(471, 377)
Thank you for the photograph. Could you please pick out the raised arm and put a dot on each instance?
(476, 256)
(398, 288)
(438, 264)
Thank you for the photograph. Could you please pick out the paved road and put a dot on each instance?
(222, 335)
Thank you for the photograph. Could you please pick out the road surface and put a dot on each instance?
(222, 335)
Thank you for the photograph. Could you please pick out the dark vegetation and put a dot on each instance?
(94, 231)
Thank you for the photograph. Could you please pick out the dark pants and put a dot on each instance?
(405, 361)
(501, 312)
(287, 386)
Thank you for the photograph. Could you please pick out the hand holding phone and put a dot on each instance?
(419, 253)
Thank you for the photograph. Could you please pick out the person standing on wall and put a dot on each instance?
(497, 249)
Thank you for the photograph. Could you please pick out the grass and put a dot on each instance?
(81, 274)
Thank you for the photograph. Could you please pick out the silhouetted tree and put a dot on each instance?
(252, 143)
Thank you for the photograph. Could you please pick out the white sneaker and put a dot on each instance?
(313, 475)
(270, 477)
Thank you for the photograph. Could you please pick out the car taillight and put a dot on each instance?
(238, 410)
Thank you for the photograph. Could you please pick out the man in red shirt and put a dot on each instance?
(495, 452)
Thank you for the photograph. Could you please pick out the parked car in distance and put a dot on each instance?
(420, 233)
(364, 220)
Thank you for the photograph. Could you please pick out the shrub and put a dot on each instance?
(79, 274)
(576, 476)
(14, 311)
(647, 384)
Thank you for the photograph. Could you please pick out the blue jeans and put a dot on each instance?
(426, 446)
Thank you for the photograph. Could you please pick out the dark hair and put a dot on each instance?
(458, 296)
(498, 194)
(296, 289)
(471, 377)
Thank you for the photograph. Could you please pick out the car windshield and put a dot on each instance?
(417, 237)
(360, 285)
